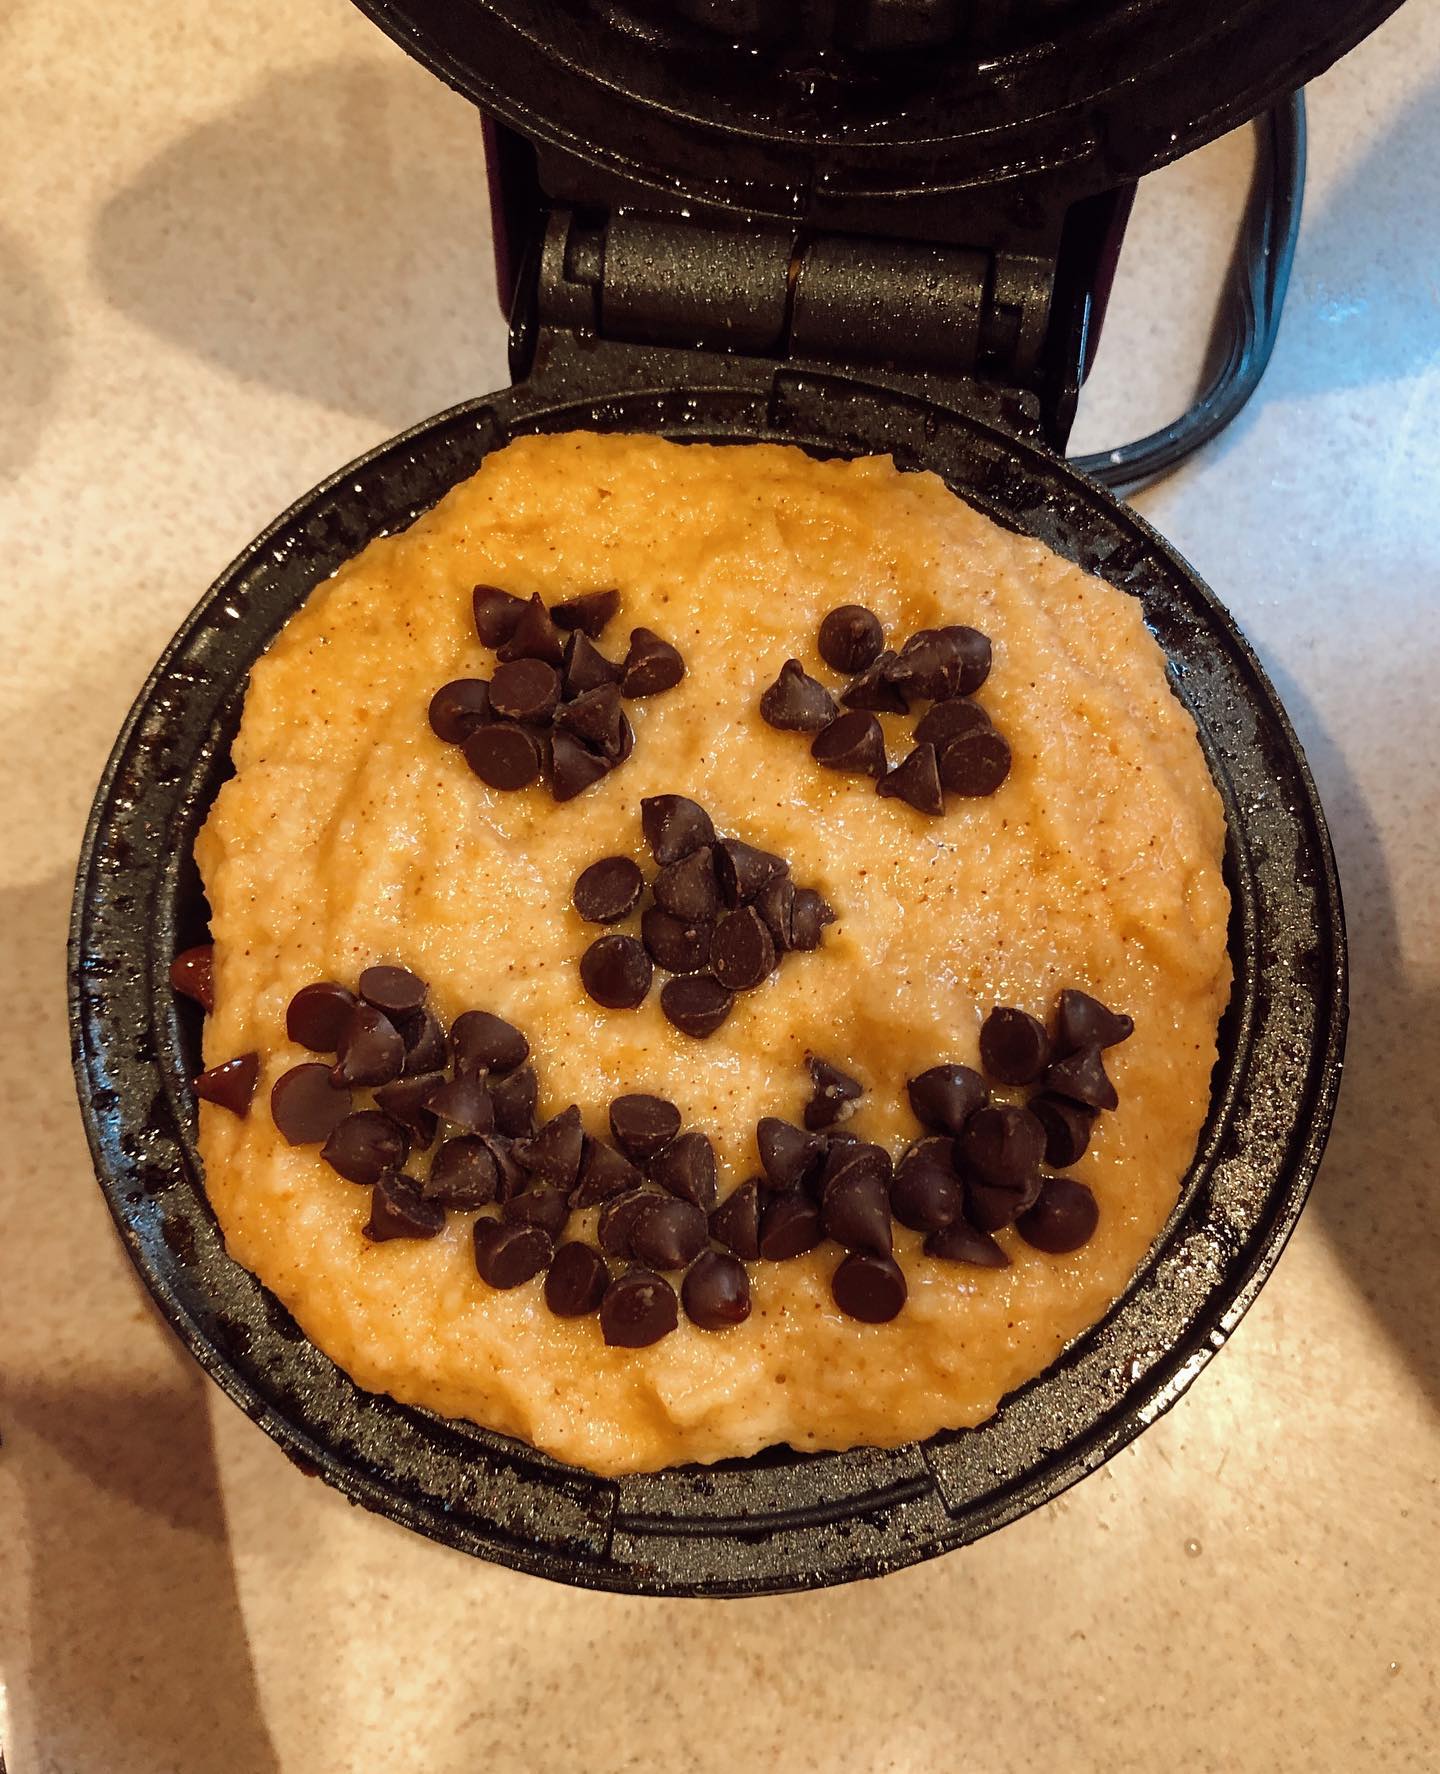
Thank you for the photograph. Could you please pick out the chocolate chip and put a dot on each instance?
(589, 612)
(856, 1211)
(651, 665)
(960, 1242)
(686, 1168)
(541, 1205)
(553, 1155)
(463, 1174)
(1014, 1048)
(512, 1178)
(846, 1155)
(458, 708)
(851, 638)
(679, 945)
(775, 903)
(945, 1097)
(482, 1042)
(508, 1253)
(1064, 1218)
(597, 719)
(1081, 1076)
(525, 690)
(603, 1172)
(577, 1281)
(496, 613)
(514, 1097)
(618, 1217)
(407, 1100)
(231, 1084)
(696, 1004)
(534, 636)
(395, 990)
(743, 953)
(608, 890)
(505, 757)
(399, 1210)
(625, 746)
(317, 1015)
(464, 1103)
(1083, 1021)
(854, 744)
(916, 781)
(674, 827)
(716, 1292)
(972, 653)
(736, 1222)
(643, 1125)
(796, 702)
(976, 764)
(926, 1192)
(790, 1224)
(669, 1233)
(1003, 1144)
(365, 1145)
(834, 1091)
(988, 1208)
(788, 1156)
(873, 691)
(808, 917)
(1067, 1129)
(929, 666)
(193, 973)
(868, 1287)
(743, 871)
(574, 767)
(688, 889)
(370, 1049)
(422, 1035)
(616, 972)
(948, 721)
(638, 1309)
(587, 669)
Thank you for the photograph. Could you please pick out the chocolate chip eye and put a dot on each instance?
(850, 638)
(608, 890)
(796, 702)
(616, 972)
(589, 612)
(854, 744)
(1014, 1048)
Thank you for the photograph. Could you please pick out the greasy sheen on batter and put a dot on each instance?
(349, 835)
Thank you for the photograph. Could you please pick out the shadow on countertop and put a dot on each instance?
(1375, 1195)
(329, 237)
(129, 1617)
(130, 1560)
(33, 352)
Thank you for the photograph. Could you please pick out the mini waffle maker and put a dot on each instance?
(859, 226)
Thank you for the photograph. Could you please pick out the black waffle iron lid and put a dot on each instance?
(840, 112)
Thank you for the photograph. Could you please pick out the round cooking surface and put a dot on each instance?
(781, 1520)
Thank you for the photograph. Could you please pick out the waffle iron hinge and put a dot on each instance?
(960, 321)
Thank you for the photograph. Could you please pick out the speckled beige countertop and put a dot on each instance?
(237, 246)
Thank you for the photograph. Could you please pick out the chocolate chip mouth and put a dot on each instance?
(450, 1127)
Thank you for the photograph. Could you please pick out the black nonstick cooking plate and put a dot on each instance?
(781, 1520)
